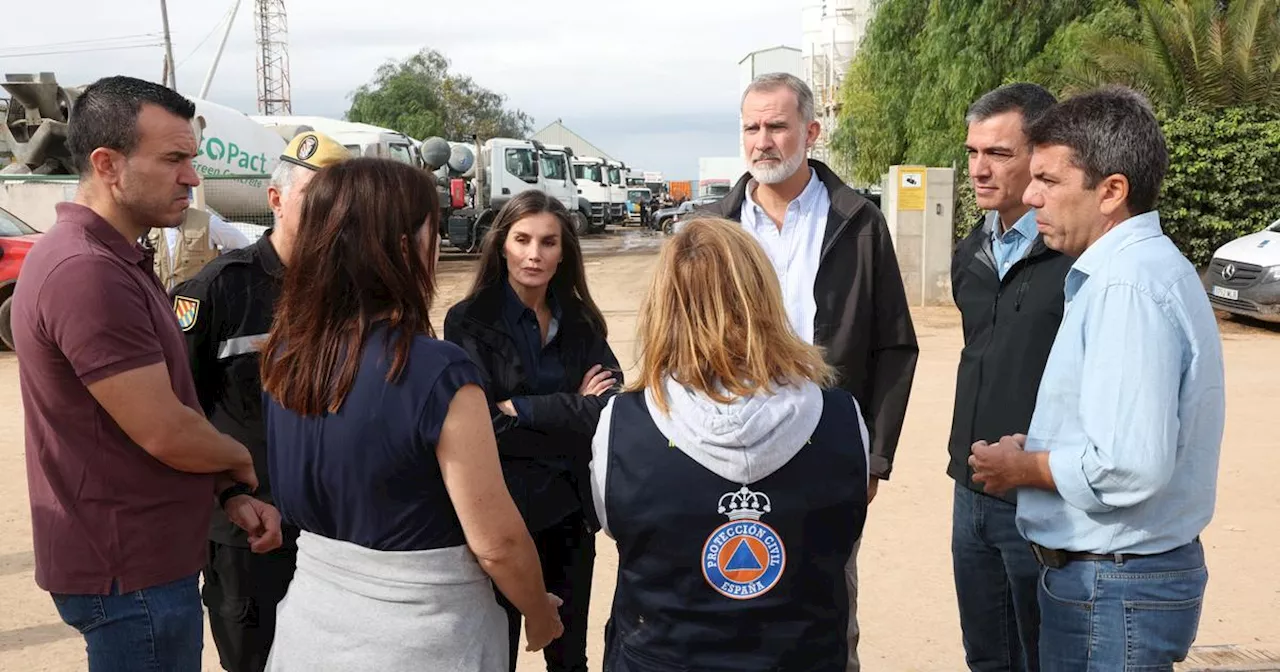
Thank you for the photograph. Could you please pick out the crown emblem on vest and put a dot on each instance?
(744, 504)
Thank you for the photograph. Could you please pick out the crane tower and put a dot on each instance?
(272, 29)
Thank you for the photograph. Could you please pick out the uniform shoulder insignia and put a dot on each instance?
(187, 309)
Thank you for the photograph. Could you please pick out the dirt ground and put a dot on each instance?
(908, 614)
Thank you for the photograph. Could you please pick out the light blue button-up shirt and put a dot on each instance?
(1011, 246)
(795, 250)
(1132, 405)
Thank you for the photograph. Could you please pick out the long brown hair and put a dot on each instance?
(570, 280)
(714, 319)
(355, 261)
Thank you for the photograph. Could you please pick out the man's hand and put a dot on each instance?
(1006, 465)
(596, 382)
(873, 486)
(507, 408)
(259, 519)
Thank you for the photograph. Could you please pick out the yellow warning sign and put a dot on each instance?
(911, 188)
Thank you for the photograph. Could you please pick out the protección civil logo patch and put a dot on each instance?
(744, 558)
(186, 309)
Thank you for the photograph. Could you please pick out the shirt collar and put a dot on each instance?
(1132, 230)
(1025, 226)
(85, 217)
(514, 309)
(270, 258)
(804, 201)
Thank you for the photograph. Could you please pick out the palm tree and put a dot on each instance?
(1193, 53)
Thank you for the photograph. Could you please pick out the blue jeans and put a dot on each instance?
(996, 577)
(1137, 616)
(157, 629)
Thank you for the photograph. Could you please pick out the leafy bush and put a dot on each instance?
(1224, 177)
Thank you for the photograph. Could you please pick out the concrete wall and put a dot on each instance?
(33, 201)
(922, 233)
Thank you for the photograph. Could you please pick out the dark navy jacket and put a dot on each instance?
(545, 454)
(718, 575)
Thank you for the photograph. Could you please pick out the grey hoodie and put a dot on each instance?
(742, 441)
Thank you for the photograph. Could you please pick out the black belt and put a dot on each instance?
(1055, 559)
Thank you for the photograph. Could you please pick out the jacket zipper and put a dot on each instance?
(995, 314)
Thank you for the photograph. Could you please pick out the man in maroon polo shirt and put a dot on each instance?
(122, 467)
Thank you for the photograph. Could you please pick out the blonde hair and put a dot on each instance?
(714, 320)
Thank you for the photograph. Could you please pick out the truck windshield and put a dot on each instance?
(553, 166)
(615, 176)
(639, 196)
(523, 164)
(588, 172)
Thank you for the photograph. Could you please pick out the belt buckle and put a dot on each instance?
(1049, 557)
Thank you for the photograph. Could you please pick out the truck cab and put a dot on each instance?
(359, 139)
(616, 176)
(590, 174)
(557, 169)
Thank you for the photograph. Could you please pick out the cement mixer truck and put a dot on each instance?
(502, 168)
(33, 142)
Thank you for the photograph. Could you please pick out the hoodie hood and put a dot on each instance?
(745, 440)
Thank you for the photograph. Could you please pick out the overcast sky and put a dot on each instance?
(653, 83)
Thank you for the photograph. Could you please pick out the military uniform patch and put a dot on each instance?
(186, 309)
(308, 147)
(743, 558)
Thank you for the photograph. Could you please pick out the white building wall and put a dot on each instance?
(831, 32)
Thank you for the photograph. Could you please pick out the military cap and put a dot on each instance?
(314, 150)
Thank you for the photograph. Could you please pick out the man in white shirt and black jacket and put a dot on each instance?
(835, 261)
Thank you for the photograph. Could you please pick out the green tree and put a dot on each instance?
(420, 97)
(1198, 53)
(924, 61)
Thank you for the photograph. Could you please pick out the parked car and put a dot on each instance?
(664, 219)
(1244, 276)
(16, 238)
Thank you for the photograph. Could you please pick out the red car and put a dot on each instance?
(15, 239)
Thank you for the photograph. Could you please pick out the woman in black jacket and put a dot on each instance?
(530, 325)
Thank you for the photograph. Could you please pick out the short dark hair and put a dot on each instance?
(1030, 99)
(1110, 131)
(106, 115)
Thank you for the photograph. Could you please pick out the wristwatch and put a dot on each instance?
(233, 491)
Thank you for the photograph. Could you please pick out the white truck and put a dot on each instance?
(616, 173)
(557, 168)
(506, 167)
(359, 139)
(591, 174)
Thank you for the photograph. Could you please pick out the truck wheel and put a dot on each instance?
(669, 225)
(481, 230)
(6, 324)
(581, 223)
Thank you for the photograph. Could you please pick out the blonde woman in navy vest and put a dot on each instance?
(731, 475)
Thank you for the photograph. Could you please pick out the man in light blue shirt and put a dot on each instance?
(1117, 474)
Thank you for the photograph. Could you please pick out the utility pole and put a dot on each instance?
(208, 79)
(168, 48)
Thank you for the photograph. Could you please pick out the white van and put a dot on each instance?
(1244, 276)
